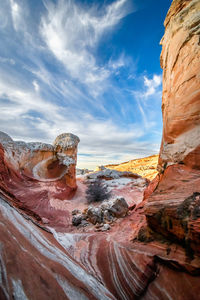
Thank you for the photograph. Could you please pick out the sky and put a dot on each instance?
(87, 67)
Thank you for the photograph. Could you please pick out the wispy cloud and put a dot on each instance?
(72, 32)
(58, 84)
(152, 85)
(148, 97)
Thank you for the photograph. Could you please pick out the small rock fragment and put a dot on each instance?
(76, 220)
(105, 227)
(76, 212)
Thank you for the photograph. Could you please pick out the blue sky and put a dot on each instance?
(87, 67)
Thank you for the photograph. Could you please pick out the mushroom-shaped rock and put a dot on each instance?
(54, 165)
(65, 148)
(66, 141)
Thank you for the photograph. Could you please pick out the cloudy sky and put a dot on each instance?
(83, 66)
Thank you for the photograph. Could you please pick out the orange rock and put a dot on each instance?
(172, 207)
(145, 167)
(180, 60)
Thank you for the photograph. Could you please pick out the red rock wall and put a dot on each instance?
(180, 60)
(173, 198)
(42, 164)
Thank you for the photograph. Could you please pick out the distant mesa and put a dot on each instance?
(145, 167)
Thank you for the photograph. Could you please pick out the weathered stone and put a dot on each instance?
(84, 223)
(76, 220)
(76, 212)
(119, 208)
(105, 227)
(94, 215)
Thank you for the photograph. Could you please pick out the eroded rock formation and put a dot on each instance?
(180, 60)
(33, 173)
(173, 206)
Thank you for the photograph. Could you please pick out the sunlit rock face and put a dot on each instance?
(65, 148)
(180, 60)
(173, 206)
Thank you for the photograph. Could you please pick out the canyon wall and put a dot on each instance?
(173, 198)
(180, 60)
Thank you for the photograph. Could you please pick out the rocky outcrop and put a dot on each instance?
(145, 167)
(105, 212)
(32, 174)
(40, 161)
(173, 205)
(107, 174)
(180, 60)
(65, 149)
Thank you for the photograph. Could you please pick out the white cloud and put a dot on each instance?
(118, 63)
(72, 33)
(7, 60)
(15, 11)
(36, 86)
(101, 141)
(151, 89)
(152, 85)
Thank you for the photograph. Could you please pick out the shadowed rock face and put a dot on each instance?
(176, 189)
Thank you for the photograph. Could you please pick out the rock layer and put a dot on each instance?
(145, 167)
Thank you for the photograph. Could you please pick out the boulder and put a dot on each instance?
(76, 220)
(95, 215)
(118, 207)
(107, 211)
(105, 227)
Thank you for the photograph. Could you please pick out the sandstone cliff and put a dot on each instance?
(180, 60)
(173, 198)
(145, 167)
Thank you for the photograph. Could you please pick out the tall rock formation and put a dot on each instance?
(173, 206)
(33, 174)
(180, 60)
